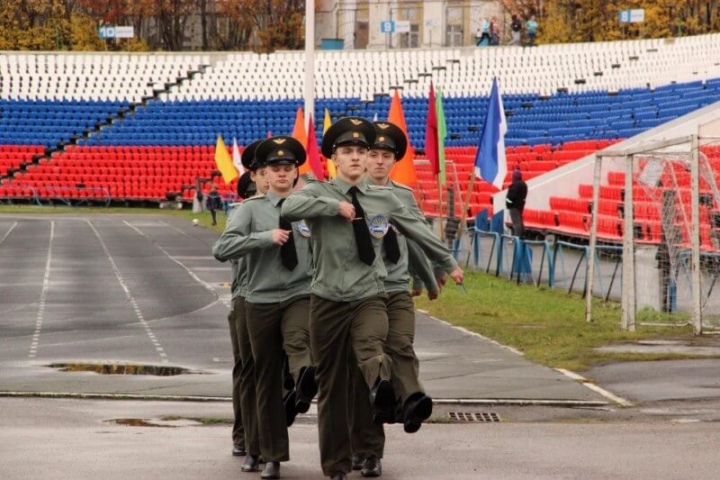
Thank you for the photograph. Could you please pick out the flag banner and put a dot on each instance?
(404, 169)
(332, 172)
(236, 158)
(224, 162)
(313, 152)
(300, 134)
(490, 162)
(431, 133)
(441, 135)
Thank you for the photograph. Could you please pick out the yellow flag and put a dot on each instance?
(332, 172)
(224, 161)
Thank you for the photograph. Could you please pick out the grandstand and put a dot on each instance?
(140, 128)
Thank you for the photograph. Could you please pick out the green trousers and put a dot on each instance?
(368, 437)
(247, 399)
(238, 432)
(274, 327)
(399, 345)
(336, 328)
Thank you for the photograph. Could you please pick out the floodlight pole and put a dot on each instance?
(309, 59)
(590, 280)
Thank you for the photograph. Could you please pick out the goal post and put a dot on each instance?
(660, 201)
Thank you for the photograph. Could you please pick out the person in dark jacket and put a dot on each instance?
(214, 203)
(515, 202)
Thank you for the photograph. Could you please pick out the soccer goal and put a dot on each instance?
(659, 200)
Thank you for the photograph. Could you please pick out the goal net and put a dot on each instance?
(660, 201)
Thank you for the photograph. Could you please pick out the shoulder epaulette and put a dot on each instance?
(401, 185)
(378, 187)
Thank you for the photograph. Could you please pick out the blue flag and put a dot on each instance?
(490, 162)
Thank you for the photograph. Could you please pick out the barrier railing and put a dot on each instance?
(553, 263)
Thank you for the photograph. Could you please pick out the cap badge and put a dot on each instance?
(355, 121)
(356, 135)
(382, 125)
(279, 141)
(281, 152)
(381, 139)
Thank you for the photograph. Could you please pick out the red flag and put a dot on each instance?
(313, 152)
(431, 134)
(404, 169)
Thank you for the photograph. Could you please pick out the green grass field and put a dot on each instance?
(548, 326)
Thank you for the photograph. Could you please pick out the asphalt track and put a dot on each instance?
(144, 289)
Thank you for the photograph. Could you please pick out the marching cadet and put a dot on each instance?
(279, 269)
(368, 437)
(348, 219)
(245, 428)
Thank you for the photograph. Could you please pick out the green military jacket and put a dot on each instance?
(248, 235)
(237, 267)
(340, 275)
(412, 257)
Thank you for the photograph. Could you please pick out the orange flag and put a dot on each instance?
(313, 152)
(300, 134)
(404, 170)
(332, 172)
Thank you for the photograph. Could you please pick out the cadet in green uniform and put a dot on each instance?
(245, 188)
(245, 428)
(368, 437)
(348, 219)
(279, 268)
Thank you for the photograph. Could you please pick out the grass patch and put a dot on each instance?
(547, 325)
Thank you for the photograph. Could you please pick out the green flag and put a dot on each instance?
(441, 133)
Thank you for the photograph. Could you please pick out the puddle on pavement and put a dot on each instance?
(157, 422)
(122, 369)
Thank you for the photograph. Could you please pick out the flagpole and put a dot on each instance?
(440, 208)
(466, 205)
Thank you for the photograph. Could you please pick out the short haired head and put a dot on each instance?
(390, 137)
(348, 131)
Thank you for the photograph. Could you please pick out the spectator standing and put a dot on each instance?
(531, 26)
(494, 32)
(214, 202)
(483, 33)
(515, 202)
(516, 28)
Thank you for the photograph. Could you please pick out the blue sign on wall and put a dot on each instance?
(387, 27)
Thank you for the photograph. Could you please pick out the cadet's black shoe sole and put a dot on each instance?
(417, 410)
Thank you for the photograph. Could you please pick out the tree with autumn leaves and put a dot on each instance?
(159, 24)
(564, 21)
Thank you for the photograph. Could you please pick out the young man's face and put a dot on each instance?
(350, 162)
(281, 178)
(378, 165)
(259, 176)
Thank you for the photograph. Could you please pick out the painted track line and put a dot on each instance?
(619, 400)
(192, 274)
(43, 297)
(609, 395)
(138, 313)
(7, 234)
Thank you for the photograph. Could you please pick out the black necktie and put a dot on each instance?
(392, 250)
(366, 252)
(288, 254)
